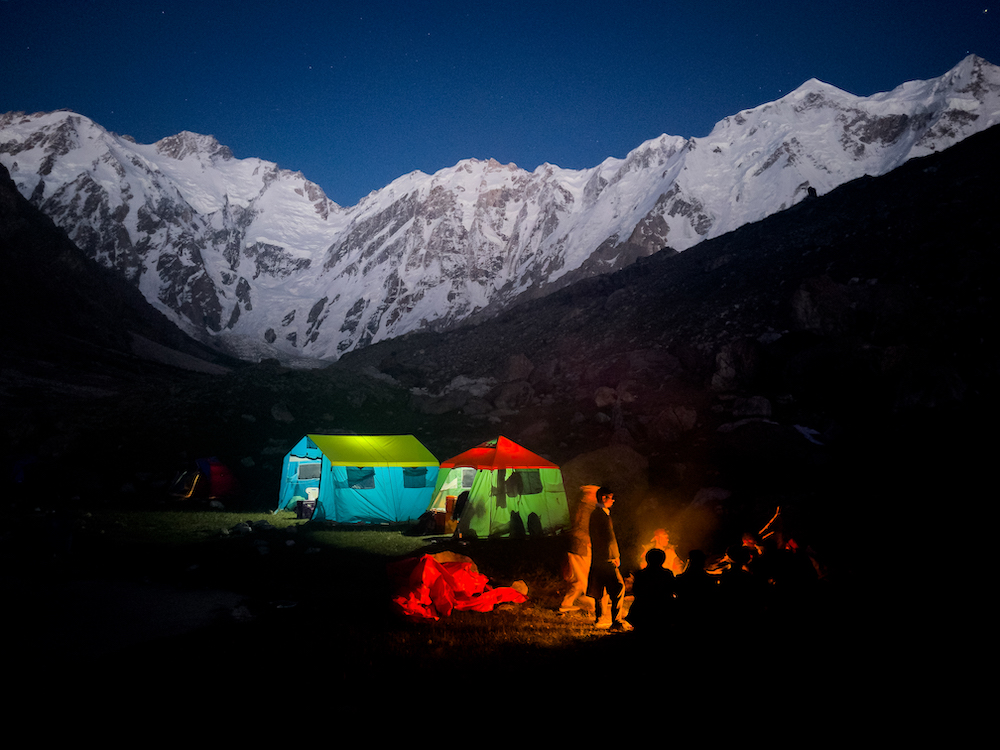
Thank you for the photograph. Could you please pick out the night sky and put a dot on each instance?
(356, 94)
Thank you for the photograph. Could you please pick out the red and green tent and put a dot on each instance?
(512, 491)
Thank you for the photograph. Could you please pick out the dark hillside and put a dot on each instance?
(75, 340)
(58, 303)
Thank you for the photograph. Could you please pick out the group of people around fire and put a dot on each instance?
(758, 575)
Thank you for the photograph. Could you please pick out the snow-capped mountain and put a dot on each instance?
(260, 262)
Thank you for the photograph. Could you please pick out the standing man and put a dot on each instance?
(578, 557)
(605, 573)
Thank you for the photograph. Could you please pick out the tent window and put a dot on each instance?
(309, 470)
(467, 476)
(531, 481)
(415, 476)
(361, 477)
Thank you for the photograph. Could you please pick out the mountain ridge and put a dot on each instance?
(259, 262)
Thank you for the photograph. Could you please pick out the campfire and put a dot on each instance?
(661, 541)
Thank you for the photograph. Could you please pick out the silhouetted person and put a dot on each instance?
(517, 530)
(741, 597)
(605, 563)
(653, 589)
(460, 504)
(696, 589)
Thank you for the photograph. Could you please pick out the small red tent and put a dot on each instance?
(210, 479)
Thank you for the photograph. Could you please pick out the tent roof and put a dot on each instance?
(497, 454)
(374, 450)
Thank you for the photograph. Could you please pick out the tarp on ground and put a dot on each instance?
(353, 479)
(431, 587)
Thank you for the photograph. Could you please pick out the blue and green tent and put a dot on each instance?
(376, 479)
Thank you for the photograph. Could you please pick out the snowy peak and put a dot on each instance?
(186, 144)
(973, 75)
(258, 261)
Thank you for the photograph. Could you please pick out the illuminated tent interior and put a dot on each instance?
(512, 491)
(355, 479)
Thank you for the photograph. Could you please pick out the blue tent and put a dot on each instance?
(359, 478)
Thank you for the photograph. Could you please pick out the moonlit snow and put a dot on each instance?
(258, 261)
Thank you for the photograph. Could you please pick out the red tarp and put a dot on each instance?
(428, 589)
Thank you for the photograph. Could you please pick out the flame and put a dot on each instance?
(661, 541)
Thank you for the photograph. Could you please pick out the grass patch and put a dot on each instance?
(315, 602)
(301, 579)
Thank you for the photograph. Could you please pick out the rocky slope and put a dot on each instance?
(258, 261)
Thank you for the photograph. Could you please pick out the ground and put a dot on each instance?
(143, 594)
